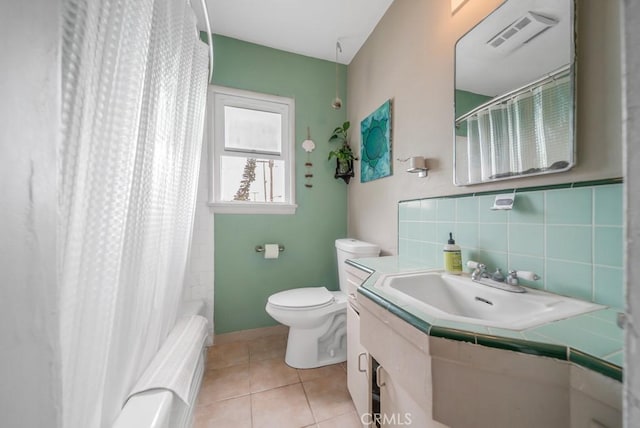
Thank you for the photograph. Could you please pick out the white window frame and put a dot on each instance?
(218, 98)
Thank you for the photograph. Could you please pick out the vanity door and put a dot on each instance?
(358, 366)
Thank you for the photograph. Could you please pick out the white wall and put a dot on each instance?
(198, 280)
(631, 21)
(409, 58)
(29, 86)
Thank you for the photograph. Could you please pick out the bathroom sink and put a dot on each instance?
(458, 298)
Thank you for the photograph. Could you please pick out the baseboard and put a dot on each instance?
(252, 334)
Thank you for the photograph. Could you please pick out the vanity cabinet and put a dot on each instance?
(596, 400)
(437, 382)
(358, 361)
(404, 374)
(358, 365)
(500, 388)
(480, 386)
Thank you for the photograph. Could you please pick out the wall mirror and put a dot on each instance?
(515, 93)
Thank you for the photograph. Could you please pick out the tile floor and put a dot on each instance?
(248, 385)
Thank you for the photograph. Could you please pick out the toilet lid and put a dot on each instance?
(302, 297)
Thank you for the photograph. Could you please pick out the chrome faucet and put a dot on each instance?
(479, 271)
(514, 275)
(498, 276)
(498, 279)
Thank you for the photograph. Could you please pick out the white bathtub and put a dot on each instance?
(162, 408)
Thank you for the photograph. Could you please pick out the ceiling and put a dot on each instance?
(484, 70)
(305, 27)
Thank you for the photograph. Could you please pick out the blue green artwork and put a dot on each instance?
(375, 147)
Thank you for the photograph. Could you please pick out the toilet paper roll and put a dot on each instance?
(271, 251)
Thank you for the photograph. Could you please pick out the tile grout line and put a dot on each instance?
(593, 245)
(509, 239)
(251, 404)
(306, 397)
(545, 208)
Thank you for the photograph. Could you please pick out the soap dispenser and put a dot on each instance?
(452, 257)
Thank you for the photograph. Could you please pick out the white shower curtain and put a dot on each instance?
(133, 98)
(526, 133)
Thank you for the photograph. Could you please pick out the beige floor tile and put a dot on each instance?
(268, 347)
(328, 396)
(284, 407)
(268, 374)
(247, 384)
(348, 420)
(228, 382)
(234, 412)
(227, 354)
(320, 372)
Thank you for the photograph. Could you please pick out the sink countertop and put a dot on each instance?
(593, 339)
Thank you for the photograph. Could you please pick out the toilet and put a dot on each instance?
(317, 317)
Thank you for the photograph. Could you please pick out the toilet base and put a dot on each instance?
(317, 347)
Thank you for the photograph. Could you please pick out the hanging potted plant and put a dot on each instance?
(344, 155)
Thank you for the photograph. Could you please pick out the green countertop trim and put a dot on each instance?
(525, 346)
(452, 333)
(596, 364)
(494, 340)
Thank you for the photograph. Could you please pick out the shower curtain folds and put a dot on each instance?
(133, 96)
(523, 134)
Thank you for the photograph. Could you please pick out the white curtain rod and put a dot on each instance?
(556, 74)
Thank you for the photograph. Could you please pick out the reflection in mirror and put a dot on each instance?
(514, 93)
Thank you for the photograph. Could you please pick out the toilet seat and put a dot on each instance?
(302, 298)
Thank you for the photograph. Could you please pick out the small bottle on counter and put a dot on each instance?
(452, 257)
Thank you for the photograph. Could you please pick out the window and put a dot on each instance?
(251, 139)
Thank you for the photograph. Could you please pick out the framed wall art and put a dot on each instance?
(375, 147)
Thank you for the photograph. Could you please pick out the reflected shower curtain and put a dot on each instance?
(133, 98)
(527, 133)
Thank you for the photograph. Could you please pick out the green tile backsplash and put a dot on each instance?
(571, 237)
(569, 206)
(608, 209)
(572, 243)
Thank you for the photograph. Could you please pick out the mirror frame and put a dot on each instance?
(571, 66)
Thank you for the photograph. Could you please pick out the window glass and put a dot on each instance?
(252, 130)
(252, 179)
(252, 153)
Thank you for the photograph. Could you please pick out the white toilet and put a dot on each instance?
(317, 317)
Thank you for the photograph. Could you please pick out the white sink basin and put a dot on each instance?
(458, 298)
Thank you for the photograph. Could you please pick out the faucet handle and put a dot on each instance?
(527, 275)
(475, 265)
(479, 270)
(514, 276)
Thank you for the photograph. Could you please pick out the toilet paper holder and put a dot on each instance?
(260, 248)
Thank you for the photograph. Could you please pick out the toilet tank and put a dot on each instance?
(352, 249)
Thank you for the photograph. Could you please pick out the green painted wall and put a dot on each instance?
(243, 279)
(466, 101)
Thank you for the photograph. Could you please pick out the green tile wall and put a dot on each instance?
(572, 237)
